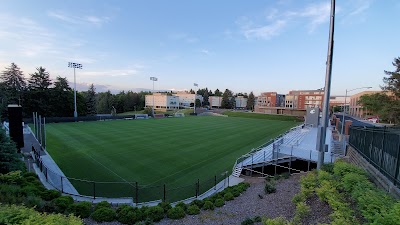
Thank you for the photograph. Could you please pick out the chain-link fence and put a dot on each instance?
(381, 147)
(138, 192)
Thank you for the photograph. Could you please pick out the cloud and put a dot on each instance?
(276, 21)
(111, 73)
(87, 19)
(266, 32)
(205, 52)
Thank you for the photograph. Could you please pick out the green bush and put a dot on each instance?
(257, 219)
(390, 217)
(33, 201)
(342, 168)
(219, 202)
(182, 205)
(302, 210)
(351, 180)
(236, 192)
(176, 213)
(247, 221)
(49, 195)
(208, 205)
(228, 196)
(31, 190)
(21, 215)
(62, 203)
(269, 187)
(327, 167)
(299, 197)
(155, 213)
(165, 205)
(193, 210)
(285, 175)
(128, 215)
(198, 202)
(81, 209)
(103, 214)
(102, 204)
(14, 177)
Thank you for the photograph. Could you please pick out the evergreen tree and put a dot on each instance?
(227, 99)
(250, 101)
(62, 98)
(206, 99)
(393, 81)
(217, 92)
(39, 80)
(90, 99)
(10, 159)
(14, 83)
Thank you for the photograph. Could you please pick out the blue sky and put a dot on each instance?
(245, 46)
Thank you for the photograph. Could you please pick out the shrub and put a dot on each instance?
(121, 207)
(33, 201)
(62, 203)
(285, 175)
(302, 210)
(21, 215)
(165, 205)
(327, 167)
(81, 209)
(228, 196)
(198, 202)
(299, 197)
(49, 195)
(155, 213)
(269, 188)
(257, 219)
(247, 221)
(219, 202)
(351, 180)
(182, 205)
(236, 192)
(31, 190)
(128, 214)
(103, 214)
(208, 205)
(102, 204)
(14, 177)
(193, 210)
(342, 168)
(176, 213)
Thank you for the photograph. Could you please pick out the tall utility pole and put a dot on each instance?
(75, 66)
(153, 79)
(325, 112)
(194, 105)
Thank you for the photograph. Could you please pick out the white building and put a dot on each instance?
(215, 101)
(241, 102)
(185, 99)
(162, 101)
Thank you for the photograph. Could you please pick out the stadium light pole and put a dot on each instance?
(344, 106)
(327, 89)
(153, 79)
(194, 105)
(75, 66)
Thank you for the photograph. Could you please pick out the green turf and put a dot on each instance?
(172, 151)
(263, 116)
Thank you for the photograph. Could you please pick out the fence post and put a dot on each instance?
(309, 161)
(94, 190)
(263, 164)
(46, 173)
(228, 179)
(62, 188)
(251, 174)
(215, 182)
(383, 145)
(136, 193)
(164, 194)
(290, 162)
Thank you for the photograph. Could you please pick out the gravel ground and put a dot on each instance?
(249, 204)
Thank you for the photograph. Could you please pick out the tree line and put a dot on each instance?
(386, 104)
(55, 98)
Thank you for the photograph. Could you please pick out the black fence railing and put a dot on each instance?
(381, 147)
(138, 192)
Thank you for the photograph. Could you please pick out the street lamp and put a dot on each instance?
(344, 106)
(75, 66)
(194, 105)
(153, 79)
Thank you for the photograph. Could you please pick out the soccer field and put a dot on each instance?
(172, 151)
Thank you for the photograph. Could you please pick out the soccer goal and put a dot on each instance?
(141, 116)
